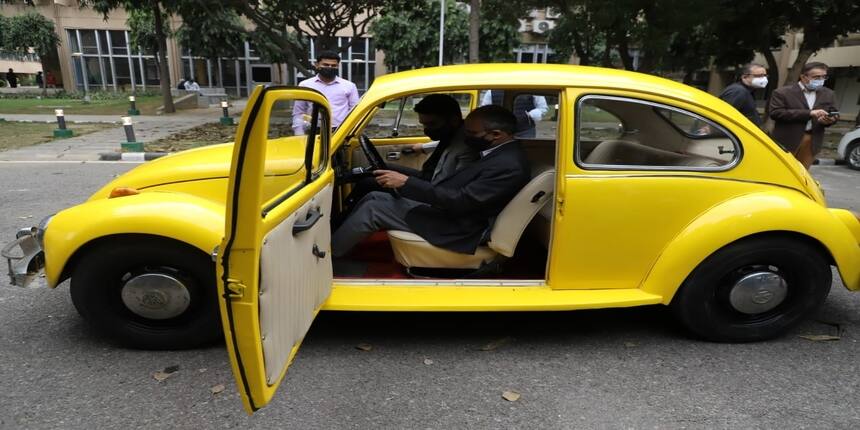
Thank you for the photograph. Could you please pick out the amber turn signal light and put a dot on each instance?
(122, 192)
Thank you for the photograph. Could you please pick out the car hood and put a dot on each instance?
(209, 162)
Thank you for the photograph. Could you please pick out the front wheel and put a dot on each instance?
(754, 289)
(148, 293)
(852, 155)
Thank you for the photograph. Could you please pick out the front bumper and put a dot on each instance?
(24, 257)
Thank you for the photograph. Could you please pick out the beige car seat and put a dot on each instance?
(411, 250)
(624, 153)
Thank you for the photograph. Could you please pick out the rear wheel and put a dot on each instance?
(752, 290)
(148, 293)
(852, 155)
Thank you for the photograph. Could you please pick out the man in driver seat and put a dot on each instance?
(442, 120)
(455, 212)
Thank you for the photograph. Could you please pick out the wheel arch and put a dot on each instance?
(182, 218)
(86, 248)
(758, 215)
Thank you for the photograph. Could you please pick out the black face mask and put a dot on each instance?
(477, 143)
(327, 72)
(439, 133)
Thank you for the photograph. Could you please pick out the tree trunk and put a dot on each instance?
(164, 71)
(794, 72)
(772, 70)
(624, 52)
(474, 33)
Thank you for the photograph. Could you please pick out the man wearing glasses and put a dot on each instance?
(801, 111)
(740, 94)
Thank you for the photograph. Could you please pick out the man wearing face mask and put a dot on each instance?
(801, 111)
(342, 95)
(442, 120)
(740, 94)
(453, 213)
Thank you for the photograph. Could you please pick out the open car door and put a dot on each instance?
(275, 268)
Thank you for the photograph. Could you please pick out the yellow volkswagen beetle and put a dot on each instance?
(644, 191)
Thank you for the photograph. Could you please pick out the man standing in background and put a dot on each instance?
(801, 111)
(342, 95)
(740, 93)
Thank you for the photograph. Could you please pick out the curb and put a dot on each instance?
(130, 156)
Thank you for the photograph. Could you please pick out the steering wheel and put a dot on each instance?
(376, 161)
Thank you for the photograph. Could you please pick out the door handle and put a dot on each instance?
(393, 155)
(312, 217)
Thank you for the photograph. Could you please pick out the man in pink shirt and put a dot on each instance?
(342, 95)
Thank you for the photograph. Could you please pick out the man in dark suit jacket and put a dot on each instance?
(455, 212)
(442, 120)
(801, 111)
(740, 93)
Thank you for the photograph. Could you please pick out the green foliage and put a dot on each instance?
(410, 38)
(29, 30)
(141, 25)
(499, 29)
(214, 33)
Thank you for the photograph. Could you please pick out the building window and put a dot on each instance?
(103, 59)
(535, 53)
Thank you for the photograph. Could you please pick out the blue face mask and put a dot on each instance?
(815, 84)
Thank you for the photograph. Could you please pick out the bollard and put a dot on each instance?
(130, 145)
(133, 109)
(225, 119)
(61, 131)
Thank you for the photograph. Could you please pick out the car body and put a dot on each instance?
(849, 149)
(658, 194)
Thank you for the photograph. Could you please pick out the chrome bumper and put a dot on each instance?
(24, 257)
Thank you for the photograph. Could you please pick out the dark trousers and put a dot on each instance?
(378, 210)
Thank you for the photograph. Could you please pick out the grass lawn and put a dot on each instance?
(146, 105)
(207, 134)
(18, 134)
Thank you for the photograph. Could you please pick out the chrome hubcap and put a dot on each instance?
(156, 296)
(854, 156)
(758, 292)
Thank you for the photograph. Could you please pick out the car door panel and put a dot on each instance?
(275, 270)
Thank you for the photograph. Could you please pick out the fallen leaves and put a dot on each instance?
(428, 361)
(511, 396)
(492, 346)
(819, 337)
(167, 372)
(364, 347)
(217, 388)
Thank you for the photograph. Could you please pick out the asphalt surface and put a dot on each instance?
(630, 368)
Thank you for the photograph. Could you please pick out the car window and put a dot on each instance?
(396, 118)
(293, 141)
(649, 135)
(537, 114)
(598, 124)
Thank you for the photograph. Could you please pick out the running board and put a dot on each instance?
(429, 298)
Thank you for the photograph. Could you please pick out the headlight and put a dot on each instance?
(40, 233)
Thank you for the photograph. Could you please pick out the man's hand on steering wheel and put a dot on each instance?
(390, 179)
(376, 161)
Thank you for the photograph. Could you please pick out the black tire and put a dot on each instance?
(852, 155)
(98, 279)
(703, 303)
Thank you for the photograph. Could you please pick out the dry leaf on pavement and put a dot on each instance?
(168, 371)
(217, 389)
(364, 346)
(496, 344)
(819, 337)
(511, 396)
(428, 361)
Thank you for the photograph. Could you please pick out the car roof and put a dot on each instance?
(519, 75)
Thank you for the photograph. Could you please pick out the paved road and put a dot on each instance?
(589, 369)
